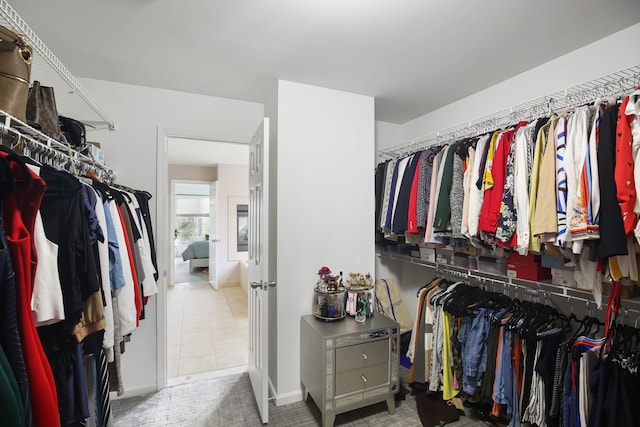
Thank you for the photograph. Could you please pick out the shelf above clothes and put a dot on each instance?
(72, 99)
(44, 149)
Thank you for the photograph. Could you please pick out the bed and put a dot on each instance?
(197, 253)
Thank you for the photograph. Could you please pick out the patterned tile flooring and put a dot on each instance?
(207, 330)
(208, 401)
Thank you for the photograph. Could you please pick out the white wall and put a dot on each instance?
(388, 134)
(608, 55)
(325, 202)
(141, 113)
(232, 181)
(605, 56)
(193, 173)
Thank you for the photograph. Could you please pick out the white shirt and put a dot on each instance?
(521, 182)
(126, 295)
(476, 196)
(149, 286)
(47, 303)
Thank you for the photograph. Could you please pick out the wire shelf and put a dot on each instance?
(72, 99)
(51, 150)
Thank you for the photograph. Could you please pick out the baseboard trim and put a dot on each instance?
(133, 393)
(287, 398)
(272, 390)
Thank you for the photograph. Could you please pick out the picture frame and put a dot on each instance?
(238, 224)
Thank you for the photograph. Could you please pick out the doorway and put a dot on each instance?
(192, 227)
(207, 325)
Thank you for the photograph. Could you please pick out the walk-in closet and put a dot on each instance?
(434, 219)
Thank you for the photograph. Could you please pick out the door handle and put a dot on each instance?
(262, 285)
(215, 240)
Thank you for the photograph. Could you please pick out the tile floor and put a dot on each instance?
(207, 330)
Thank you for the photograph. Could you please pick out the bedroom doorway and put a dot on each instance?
(193, 205)
(206, 328)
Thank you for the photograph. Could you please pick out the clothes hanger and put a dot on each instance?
(425, 286)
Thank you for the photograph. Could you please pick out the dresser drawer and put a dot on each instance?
(362, 378)
(362, 355)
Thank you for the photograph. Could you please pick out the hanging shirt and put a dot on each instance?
(424, 186)
(522, 172)
(468, 174)
(508, 217)
(490, 213)
(412, 214)
(577, 147)
(442, 217)
(624, 169)
(476, 193)
(560, 136)
(401, 212)
(125, 296)
(456, 195)
(585, 218)
(534, 241)
(429, 236)
(148, 283)
(105, 277)
(386, 194)
(612, 238)
(633, 111)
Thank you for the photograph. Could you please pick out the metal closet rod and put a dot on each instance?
(40, 143)
(612, 85)
(484, 283)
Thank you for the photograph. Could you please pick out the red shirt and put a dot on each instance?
(625, 183)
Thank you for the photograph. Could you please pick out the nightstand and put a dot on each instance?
(346, 365)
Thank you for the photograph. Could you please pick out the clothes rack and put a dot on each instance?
(611, 85)
(34, 143)
(516, 287)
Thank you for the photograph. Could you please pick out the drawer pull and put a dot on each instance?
(364, 356)
(363, 378)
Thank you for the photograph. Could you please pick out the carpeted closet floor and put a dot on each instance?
(228, 401)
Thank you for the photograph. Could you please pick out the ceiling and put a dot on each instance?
(413, 56)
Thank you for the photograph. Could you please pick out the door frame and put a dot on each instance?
(163, 239)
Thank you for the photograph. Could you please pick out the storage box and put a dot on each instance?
(628, 289)
(527, 267)
(96, 152)
(492, 265)
(465, 261)
(562, 277)
(444, 256)
(427, 254)
(551, 261)
(469, 249)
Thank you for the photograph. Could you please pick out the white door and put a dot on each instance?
(259, 285)
(213, 237)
